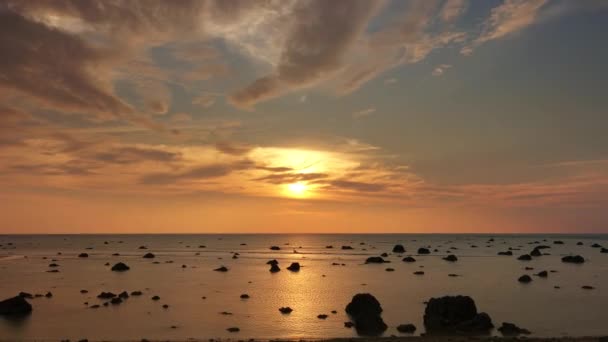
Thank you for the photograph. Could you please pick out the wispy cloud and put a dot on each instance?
(363, 113)
(440, 69)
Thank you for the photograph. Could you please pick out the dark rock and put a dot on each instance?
(53, 265)
(244, 296)
(274, 268)
(384, 255)
(579, 243)
(389, 269)
(155, 298)
(524, 279)
(596, 245)
(15, 306)
(423, 250)
(375, 260)
(524, 257)
(294, 267)
(604, 250)
(536, 252)
(409, 259)
(558, 242)
(543, 274)
(233, 329)
(165, 306)
(505, 253)
(322, 316)
(26, 295)
(84, 291)
(120, 267)
(285, 310)
(136, 293)
(83, 255)
(329, 246)
(272, 262)
(149, 256)
(116, 300)
(451, 258)
(106, 295)
(419, 273)
(406, 328)
(573, 259)
(347, 247)
(221, 269)
(587, 287)
(349, 324)
(49, 294)
(398, 249)
(510, 329)
(275, 248)
(123, 295)
(143, 247)
(455, 314)
(365, 310)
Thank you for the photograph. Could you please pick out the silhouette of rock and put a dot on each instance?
(294, 267)
(573, 259)
(587, 287)
(455, 314)
(451, 258)
(505, 253)
(83, 255)
(275, 248)
(419, 273)
(604, 250)
(423, 250)
(136, 293)
(221, 269)
(274, 268)
(285, 310)
(272, 262)
(322, 316)
(365, 310)
(375, 260)
(106, 295)
(510, 329)
(406, 328)
(409, 259)
(244, 296)
(536, 252)
(120, 267)
(149, 256)
(524, 257)
(155, 298)
(398, 249)
(524, 279)
(596, 245)
(543, 274)
(15, 306)
(233, 329)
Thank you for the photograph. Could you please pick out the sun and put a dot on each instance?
(298, 189)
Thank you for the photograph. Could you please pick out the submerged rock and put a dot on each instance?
(573, 259)
(275, 248)
(510, 329)
(15, 306)
(398, 249)
(455, 314)
(365, 310)
(294, 267)
(406, 328)
(120, 267)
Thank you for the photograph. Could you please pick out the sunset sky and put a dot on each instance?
(303, 116)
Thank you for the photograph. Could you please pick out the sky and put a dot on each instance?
(303, 116)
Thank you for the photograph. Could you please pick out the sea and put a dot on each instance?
(203, 303)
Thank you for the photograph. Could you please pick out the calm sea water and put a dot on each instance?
(318, 288)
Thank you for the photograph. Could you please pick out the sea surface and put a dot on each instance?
(203, 303)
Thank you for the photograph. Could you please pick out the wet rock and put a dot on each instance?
(409, 259)
(155, 298)
(536, 252)
(543, 274)
(116, 300)
(275, 248)
(524, 257)
(233, 329)
(509, 253)
(244, 296)
(423, 250)
(221, 269)
(524, 279)
(573, 259)
(272, 262)
(455, 314)
(419, 273)
(451, 258)
(294, 267)
(398, 249)
(322, 316)
(143, 247)
(15, 306)
(384, 255)
(587, 287)
(596, 245)
(389, 269)
(604, 250)
(106, 295)
(365, 310)
(285, 310)
(406, 328)
(346, 247)
(375, 260)
(83, 255)
(120, 267)
(149, 256)
(274, 268)
(510, 329)
(49, 294)
(136, 293)
(123, 295)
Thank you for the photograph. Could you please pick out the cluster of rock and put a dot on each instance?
(365, 312)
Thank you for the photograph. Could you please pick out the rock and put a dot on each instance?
(375, 260)
(505, 253)
(275, 248)
(510, 329)
(558, 242)
(573, 259)
(587, 287)
(233, 329)
(389, 269)
(120, 267)
(136, 293)
(423, 250)
(294, 267)
(384, 255)
(406, 328)
(106, 295)
(524, 279)
(419, 273)
(274, 268)
(451, 258)
(579, 243)
(83, 255)
(84, 291)
(596, 245)
(53, 265)
(524, 257)
(543, 274)
(322, 316)
(26, 295)
(536, 252)
(123, 295)
(455, 314)
(15, 306)
(398, 249)
(155, 298)
(349, 324)
(116, 300)
(365, 310)
(149, 256)
(285, 310)
(347, 247)
(244, 296)
(143, 247)
(272, 262)
(221, 269)
(329, 246)
(604, 250)
(409, 259)
(165, 306)
(49, 294)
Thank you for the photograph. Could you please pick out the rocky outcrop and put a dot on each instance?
(398, 249)
(573, 259)
(455, 314)
(120, 267)
(294, 267)
(375, 260)
(365, 311)
(510, 329)
(15, 306)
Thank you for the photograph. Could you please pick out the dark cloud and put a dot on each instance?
(357, 186)
(129, 155)
(291, 177)
(232, 148)
(198, 173)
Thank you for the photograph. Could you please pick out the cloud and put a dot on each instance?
(200, 173)
(292, 177)
(389, 81)
(506, 19)
(452, 9)
(205, 100)
(321, 34)
(356, 186)
(232, 148)
(440, 69)
(364, 113)
(132, 154)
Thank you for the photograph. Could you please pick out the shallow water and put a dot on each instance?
(318, 288)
